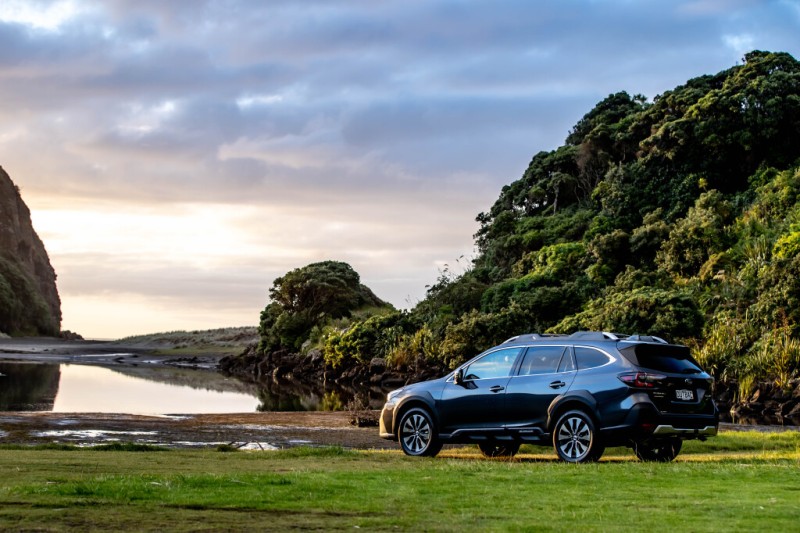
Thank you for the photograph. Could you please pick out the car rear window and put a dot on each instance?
(590, 358)
(662, 357)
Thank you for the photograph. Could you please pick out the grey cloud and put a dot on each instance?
(405, 117)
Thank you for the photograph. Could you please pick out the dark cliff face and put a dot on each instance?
(29, 302)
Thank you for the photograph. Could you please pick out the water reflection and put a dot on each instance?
(316, 396)
(102, 390)
(164, 390)
(28, 387)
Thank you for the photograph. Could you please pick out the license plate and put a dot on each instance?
(684, 394)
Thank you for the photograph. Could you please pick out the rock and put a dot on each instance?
(377, 365)
(792, 406)
(24, 255)
(315, 356)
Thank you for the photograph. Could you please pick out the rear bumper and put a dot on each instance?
(666, 430)
(645, 422)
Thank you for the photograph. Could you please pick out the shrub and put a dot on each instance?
(645, 310)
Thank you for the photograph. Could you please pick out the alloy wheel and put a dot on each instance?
(575, 439)
(416, 433)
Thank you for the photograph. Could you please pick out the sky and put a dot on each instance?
(179, 156)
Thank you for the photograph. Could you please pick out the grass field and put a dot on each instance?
(735, 482)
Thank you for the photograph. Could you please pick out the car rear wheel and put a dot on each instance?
(575, 438)
(417, 434)
(662, 451)
(495, 449)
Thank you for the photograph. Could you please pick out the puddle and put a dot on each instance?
(66, 422)
(256, 427)
(89, 433)
(168, 417)
(257, 446)
(247, 446)
(98, 355)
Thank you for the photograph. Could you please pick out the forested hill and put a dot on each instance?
(677, 217)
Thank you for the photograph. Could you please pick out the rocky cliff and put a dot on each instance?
(29, 302)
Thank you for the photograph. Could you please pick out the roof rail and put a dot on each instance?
(598, 335)
(647, 338)
(533, 336)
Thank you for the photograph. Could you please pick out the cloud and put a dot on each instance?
(367, 131)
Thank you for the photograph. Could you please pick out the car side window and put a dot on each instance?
(541, 360)
(493, 365)
(590, 358)
(567, 362)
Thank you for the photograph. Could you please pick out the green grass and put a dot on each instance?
(736, 482)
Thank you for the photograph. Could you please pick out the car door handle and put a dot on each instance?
(497, 388)
(557, 384)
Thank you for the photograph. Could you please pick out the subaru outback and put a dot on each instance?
(582, 393)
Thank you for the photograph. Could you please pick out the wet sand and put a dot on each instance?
(272, 430)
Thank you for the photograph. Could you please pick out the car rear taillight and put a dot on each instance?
(642, 380)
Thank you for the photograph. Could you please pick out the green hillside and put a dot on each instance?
(677, 217)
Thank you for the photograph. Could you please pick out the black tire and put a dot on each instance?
(499, 449)
(662, 451)
(417, 434)
(575, 438)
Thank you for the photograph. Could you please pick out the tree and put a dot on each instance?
(310, 296)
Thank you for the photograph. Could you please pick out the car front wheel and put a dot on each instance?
(662, 451)
(493, 449)
(575, 438)
(417, 434)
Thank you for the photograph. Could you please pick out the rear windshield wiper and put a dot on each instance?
(691, 371)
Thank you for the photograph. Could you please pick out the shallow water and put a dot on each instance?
(68, 388)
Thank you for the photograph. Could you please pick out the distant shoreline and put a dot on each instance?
(107, 353)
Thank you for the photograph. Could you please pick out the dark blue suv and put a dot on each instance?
(582, 393)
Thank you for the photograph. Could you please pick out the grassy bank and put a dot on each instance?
(737, 482)
(213, 342)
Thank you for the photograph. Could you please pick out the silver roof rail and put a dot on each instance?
(647, 338)
(533, 336)
(598, 335)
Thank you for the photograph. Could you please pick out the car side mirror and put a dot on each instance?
(458, 377)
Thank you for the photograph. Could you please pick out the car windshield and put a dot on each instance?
(662, 357)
